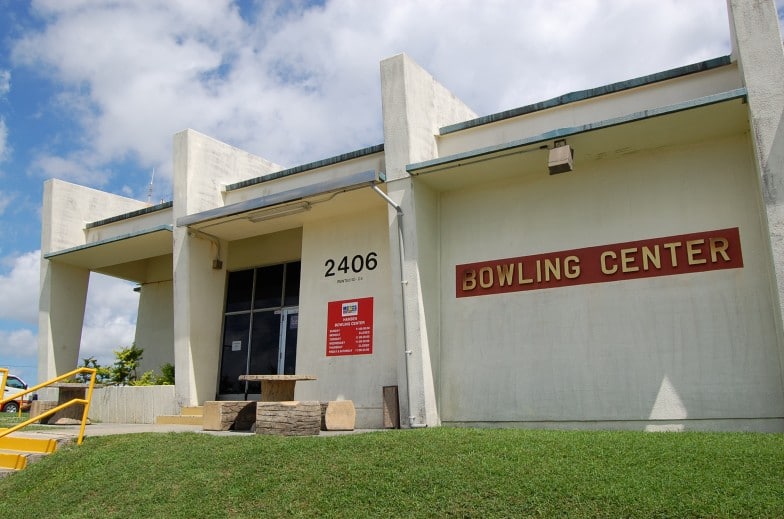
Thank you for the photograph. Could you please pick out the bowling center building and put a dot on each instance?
(610, 258)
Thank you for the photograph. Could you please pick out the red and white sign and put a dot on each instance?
(667, 256)
(350, 327)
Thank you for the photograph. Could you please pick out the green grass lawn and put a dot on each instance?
(443, 472)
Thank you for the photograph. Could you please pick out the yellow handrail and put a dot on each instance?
(76, 401)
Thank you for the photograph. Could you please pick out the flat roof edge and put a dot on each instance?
(582, 95)
(165, 227)
(353, 181)
(370, 150)
(132, 214)
(561, 133)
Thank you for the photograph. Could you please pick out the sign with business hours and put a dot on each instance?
(350, 327)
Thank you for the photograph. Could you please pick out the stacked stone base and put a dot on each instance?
(229, 415)
(290, 418)
(287, 418)
(338, 415)
(39, 407)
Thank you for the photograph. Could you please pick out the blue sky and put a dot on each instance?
(92, 91)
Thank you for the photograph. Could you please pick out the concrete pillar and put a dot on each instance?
(202, 166)
(414, 107)
(757, 47)
(155, 325)
(65, 211)
(60, 318)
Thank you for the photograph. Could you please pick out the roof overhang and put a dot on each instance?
(285, 209)
(113, 255)
(696, 120)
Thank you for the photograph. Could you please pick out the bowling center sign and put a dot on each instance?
(667, 256)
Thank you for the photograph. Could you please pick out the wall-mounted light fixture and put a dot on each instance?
(561, 158)
(276, 212)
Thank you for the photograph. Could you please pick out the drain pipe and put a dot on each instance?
(412, 420)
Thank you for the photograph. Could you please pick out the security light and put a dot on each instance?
(561, 158)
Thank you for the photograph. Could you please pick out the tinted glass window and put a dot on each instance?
(292, 284)
(14, 383)
(239, 291)
(235, 353)
(269, 286)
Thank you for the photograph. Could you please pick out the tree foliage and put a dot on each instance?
(124, 370)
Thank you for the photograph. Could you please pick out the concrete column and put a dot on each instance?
(757, 46)
(154, 325)
(202, 166)
(415, 106)
(198, 296)
(65, 211)
(60, 318)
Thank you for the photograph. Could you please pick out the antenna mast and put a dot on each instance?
(149, 189)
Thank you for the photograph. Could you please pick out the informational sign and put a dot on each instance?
(350, 327)
(236, 345)
(667, 256)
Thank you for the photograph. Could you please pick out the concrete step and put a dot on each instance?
(188, 416)
(27, 444)
(13, 460)
(179, 419)
(22, 448)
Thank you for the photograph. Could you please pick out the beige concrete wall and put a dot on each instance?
(129, 225)
(655, 95)
(354, 377)
(202, 166)
(757, 46)
(415, 106)
(267, 249)
(336, 171)
(67, 208)
(132, 404)
(155, 326)
(686, 347)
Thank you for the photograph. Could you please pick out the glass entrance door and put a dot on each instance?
(260, 327)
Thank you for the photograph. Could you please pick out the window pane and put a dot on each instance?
(292, 284)
(234, 357)
(239, 290)
(269, 285)
(14, 383)
(265, 345)
(290, 360)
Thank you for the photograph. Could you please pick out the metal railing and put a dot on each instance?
(75, 401)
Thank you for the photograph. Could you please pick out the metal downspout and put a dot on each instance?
(412, 420)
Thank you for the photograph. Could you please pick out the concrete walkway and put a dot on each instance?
(105, 429)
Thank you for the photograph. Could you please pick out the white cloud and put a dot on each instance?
(110, 311)
(110, 318)
(5, 82)
(3, 140)
(75, 167)
(5, 88)
(5, 200)
(19, 344)
(20, 288)
(303, 83)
